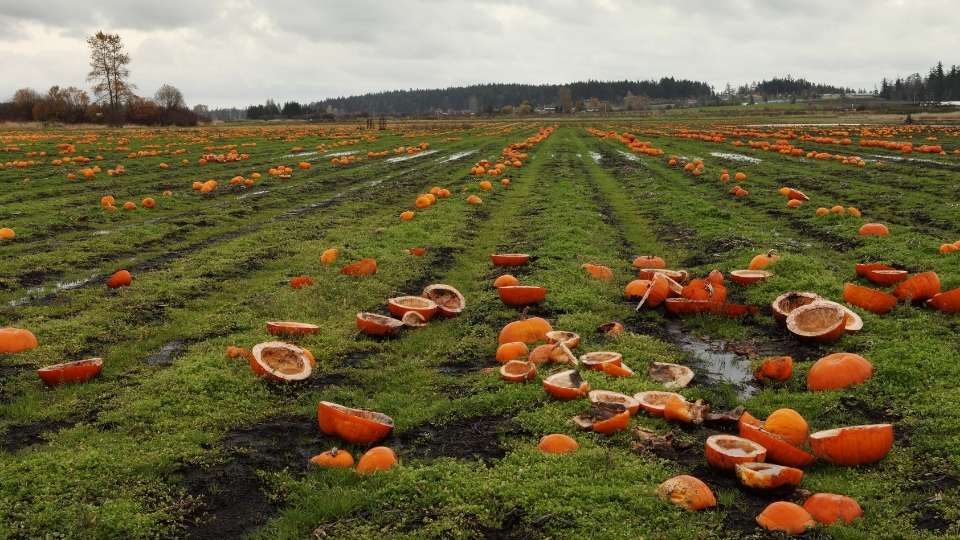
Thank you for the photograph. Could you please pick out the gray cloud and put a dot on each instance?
(235, 52)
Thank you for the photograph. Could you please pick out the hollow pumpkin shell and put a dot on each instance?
(599, 397)
(356, 426)
(654, 402)
(279, 361)
(918, 287)
(522, 295)
(509, 259)
(855, 445)
(789, 301)
(767, 475)
(450, 302)
(785, 517)
(527, 331)
(818, 321)
(71, 372)
(566, 385)
(291, 328)
(515, 371)
(373, 324)
(869, 299)
(828, 508)
(724, 452)
(778, 450)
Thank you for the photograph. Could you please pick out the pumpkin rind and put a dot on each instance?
(356, 426)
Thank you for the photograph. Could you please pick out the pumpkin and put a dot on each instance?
(838, 370)
(298, 282)
(855, 445)
(794, 203)
(557, 443)
(649, 261)
(947, 302)
(863, 269)
(749, 277)
(608, 398)
(423, 201)
(505, 182)
(636, 289)
(886, 277)
(611, 329)
(509, 259)
(485, 185)
(511, 351)
(106, 200)
(521, 295)
(761, 261)
(740, 176)
(828, 508)
(853, 211)
(596, 360)
(279, 361)
(597, 271)
(569, 339)
(407, 215)
(363, 267)
(373, 324)
(818, 321)
(657, 292)
(918, 287)
(518, 371)
(129, 205)
(379, 458)
(548, 353)
(822, 212)
(506, 280)
(329, 256)
(15, 340)
(670, 375)
(778, 450)
(837, 209)
(776, 368)
(71, 372)
(685, 306)
(304, 165)
(724, 452)
(417, 251)
(788, 425)
(334, 458)
(148, 203)
(450, 302)
(566, 385)
(615, 369)
(654, 401)
(401, 305)
(794, 194)
(789, 301)
(474, 200)
(687, 492)
(121, 278)
(290, 328)
(869, 299)
(767, 475)
(356, 426)
(527, 331)
(874, 229)
(604, 418)
(785, 517)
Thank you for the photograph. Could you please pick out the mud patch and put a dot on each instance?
(227, 499)
(714, 250)
(474, 438)
(21, 436)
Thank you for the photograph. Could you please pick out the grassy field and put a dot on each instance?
(174, 439)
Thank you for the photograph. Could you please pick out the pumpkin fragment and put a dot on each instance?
(855, 445)
(279, 361)
(356, 426)
(334, 458)
(557, 443)
(687, 492)
(71, 372)
(785, 517)
(566, 385)
(379, 458)
(724, 452)
(828, 508)
(767, 475)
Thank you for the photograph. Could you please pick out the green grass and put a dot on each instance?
(199, 445)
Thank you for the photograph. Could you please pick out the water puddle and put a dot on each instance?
(628, 156)
(713, 362)
(101, 233)
(338, 154)
(596, 156)
(411, 156)
(36, 293)
(905, 159)
(456, 156)
(254, 194)
(166, 354)
(736, 157)
(301, 154)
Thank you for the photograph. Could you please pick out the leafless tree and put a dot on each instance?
(109, 72)
(169, 97)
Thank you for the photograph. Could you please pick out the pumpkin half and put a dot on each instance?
(356, 426)
(724, 452)
(767, 475)
(71, 372)
(279, 361)
(290, 328)
(818, 321)
(522, 295)
(450, 302)
(855, 445)
(373, 324)
(401, 305)
(566, 385)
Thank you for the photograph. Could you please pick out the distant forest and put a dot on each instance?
(939, 84)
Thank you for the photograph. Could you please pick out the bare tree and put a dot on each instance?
(170, 98)
(109, 72)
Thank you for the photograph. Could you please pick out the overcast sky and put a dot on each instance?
(237, 52)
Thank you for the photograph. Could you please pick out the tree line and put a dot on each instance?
(113, 102)
(939, 84)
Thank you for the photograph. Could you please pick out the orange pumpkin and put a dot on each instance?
(527, 331)
(838, 370)
(148, 203)
(855, 445)
(373, 324)
(724, 452)
(776, 368)
(15, 340)
(760, 262)
(521, 295)
(379, 458)
(687, 492)
(518, 371)
(506, 280)
(788, 425)
(334, 458)
(566, 385)
(509, 259)
(778, 450)
(828, 508)
(363, 267)
(474, 200)
(598, 271)
(869, 299)
(919, 287)
(356, 426)
(329, 256)
(557, 443)
(649, 261)
(874, 229)
(121, 278)
(407, 215)
(785, 517)
(654, 402)
(512, 351)
(768, 475)
(947, 302)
